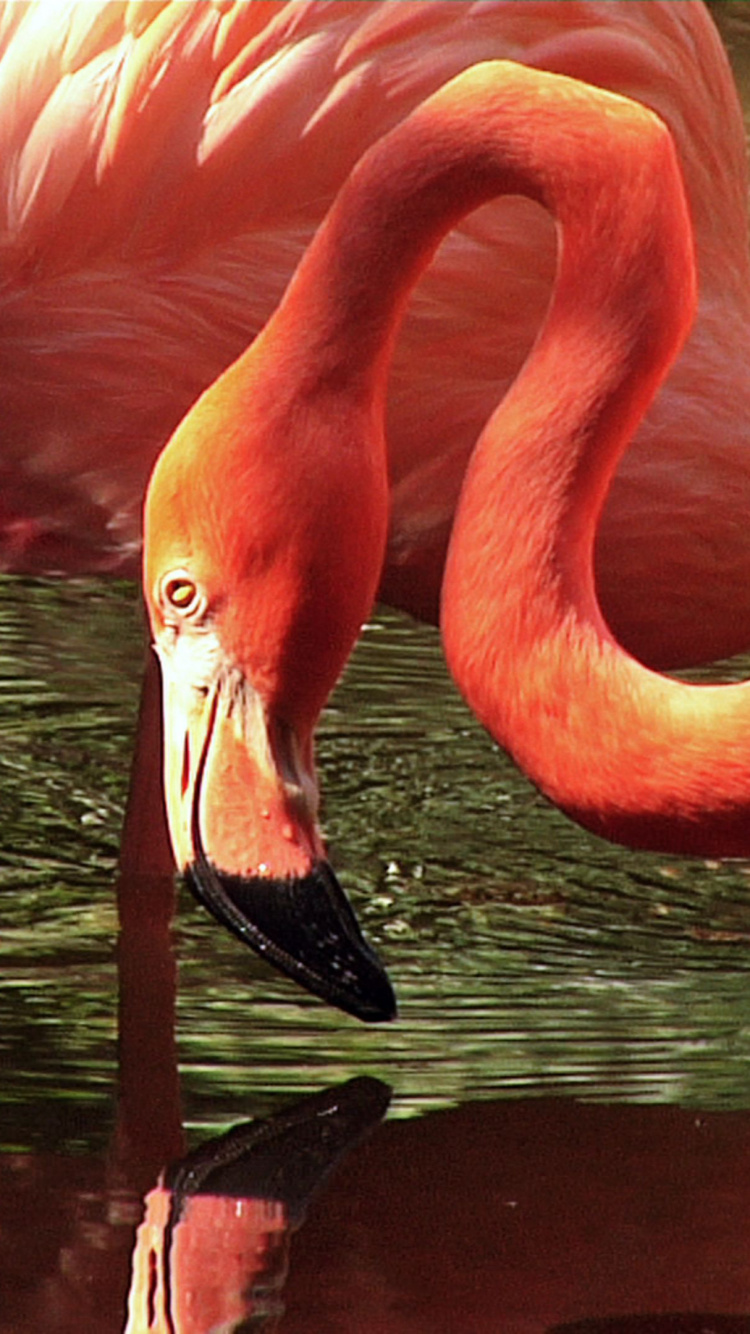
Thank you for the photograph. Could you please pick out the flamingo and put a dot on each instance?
(266, 515)
(164, 167)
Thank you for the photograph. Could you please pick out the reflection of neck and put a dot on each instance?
(149, 1123)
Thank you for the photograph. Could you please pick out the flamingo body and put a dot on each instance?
(164, 167)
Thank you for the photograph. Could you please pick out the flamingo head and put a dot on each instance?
(253, 611)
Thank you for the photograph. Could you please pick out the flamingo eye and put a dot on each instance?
(181, 594)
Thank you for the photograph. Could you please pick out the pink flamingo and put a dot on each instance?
(133, 185)
(266, 518)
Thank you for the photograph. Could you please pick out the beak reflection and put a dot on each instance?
(212, 1250)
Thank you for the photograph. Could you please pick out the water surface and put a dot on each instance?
(529, 958)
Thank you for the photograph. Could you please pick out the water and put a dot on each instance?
(535, 967)
(528, 957)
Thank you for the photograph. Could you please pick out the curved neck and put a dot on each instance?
(634, 756)
(497, 129)
(627, 752)
(603, 166)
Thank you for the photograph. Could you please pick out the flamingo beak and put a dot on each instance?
(241, 801)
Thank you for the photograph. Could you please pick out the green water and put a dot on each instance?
(527, 956)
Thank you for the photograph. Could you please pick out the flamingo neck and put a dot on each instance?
(401, 200)
(523, 631)
(635, 756)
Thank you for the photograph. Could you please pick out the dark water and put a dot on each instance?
(554, 1136)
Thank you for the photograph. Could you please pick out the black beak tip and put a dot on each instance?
(305, 926)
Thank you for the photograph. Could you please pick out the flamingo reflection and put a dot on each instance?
(511, 1217)
(148, 1237)
(212, 1249)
